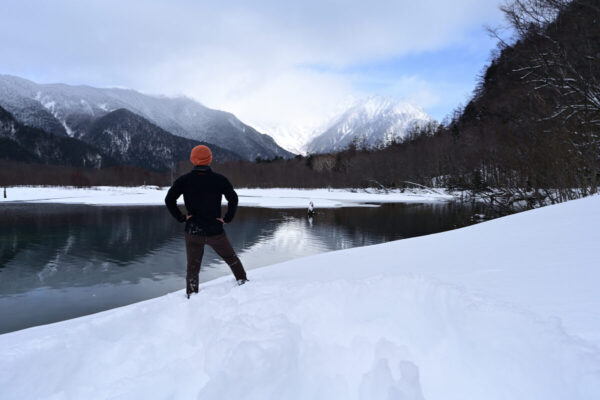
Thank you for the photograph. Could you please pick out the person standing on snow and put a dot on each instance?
(202, 190)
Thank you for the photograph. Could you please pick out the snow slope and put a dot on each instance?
(268, 198)
(507, 309)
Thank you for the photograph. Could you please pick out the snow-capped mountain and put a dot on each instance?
(66, 110)
(376, 121)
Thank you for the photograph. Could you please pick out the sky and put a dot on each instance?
(284, 67)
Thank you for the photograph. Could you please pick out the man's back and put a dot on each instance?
(202, 191)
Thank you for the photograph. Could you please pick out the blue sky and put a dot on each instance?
(450, 72)
(284, 67)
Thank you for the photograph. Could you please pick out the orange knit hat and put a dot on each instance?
(201, 155)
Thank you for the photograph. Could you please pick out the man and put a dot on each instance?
(202, 190)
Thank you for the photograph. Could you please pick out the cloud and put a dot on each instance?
(250, 58)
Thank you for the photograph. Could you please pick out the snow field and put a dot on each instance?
(384, 337)
(506, 309)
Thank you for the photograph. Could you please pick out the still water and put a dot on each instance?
(63, 261)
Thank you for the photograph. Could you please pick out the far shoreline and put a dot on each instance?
(280, 198)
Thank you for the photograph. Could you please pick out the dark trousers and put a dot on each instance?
(194, 247)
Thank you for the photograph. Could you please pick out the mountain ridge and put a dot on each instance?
(67, 110)
(120, 137)
(23, 143)
(135, 141)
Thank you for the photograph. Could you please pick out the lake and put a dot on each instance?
(63, 261)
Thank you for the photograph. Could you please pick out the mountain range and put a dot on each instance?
(72, 111)
(118, 138)
(121, 126)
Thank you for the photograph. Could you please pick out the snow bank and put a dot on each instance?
(268, 198)
(506, 309)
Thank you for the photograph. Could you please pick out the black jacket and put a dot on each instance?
(202, 190)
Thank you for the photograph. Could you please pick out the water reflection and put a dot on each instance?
(63, 261)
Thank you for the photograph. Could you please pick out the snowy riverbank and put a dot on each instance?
(270, 198)
(506, 309)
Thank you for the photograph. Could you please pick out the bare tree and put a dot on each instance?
(564, 73)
